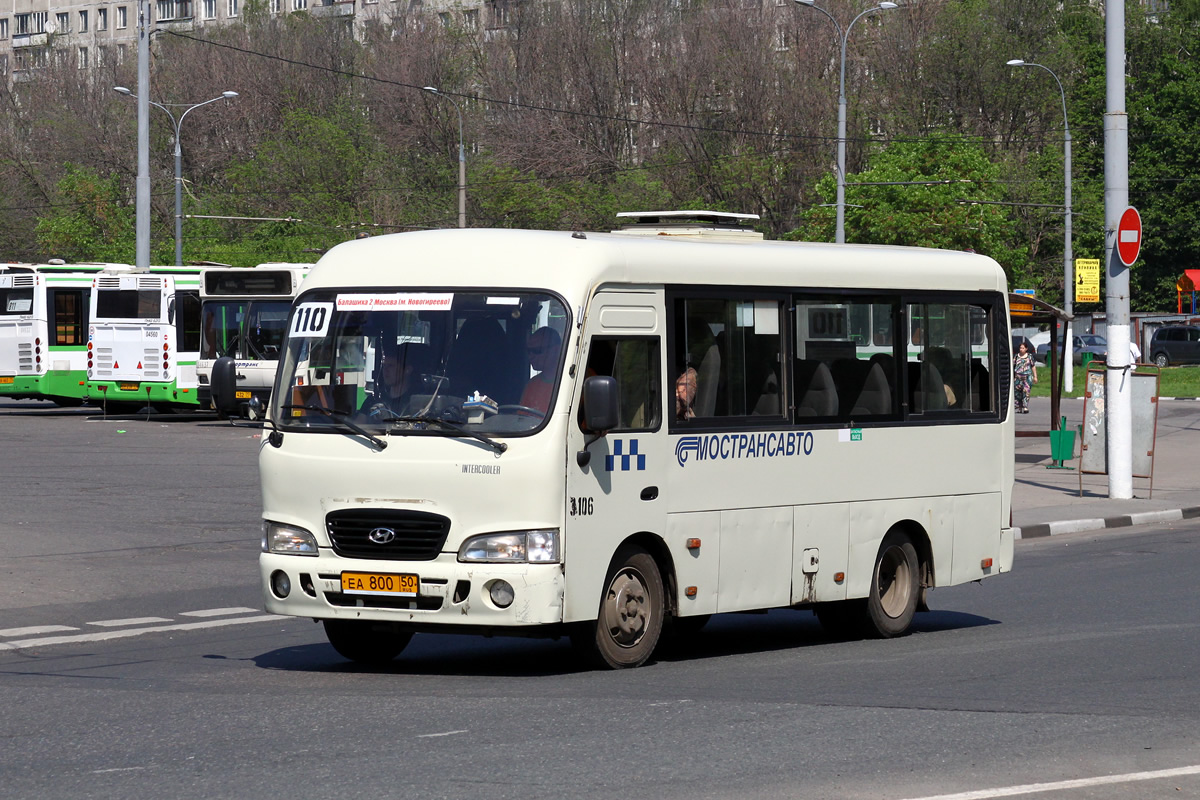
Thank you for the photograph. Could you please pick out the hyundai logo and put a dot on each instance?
(382, 536)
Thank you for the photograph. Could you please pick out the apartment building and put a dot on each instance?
(91, 32)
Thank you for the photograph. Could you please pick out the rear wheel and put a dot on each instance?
(366, 642)
(1161, 361)
(895, 586)
(630, 618)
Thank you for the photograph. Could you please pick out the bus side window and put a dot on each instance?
(634, 363)
(727, 356)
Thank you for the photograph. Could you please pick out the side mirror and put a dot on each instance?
(601, 412)
(223, 383)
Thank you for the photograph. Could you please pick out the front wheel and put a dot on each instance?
(630, 618)
(1161, 361)
(895, 587)
(366, 642)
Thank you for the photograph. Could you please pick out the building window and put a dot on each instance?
(121, 52)
(3, 63)
(275, 6)
(83, 22)
(210, 9)
(233, 8)
(122, 17)
(299, 5)
(83, 58)
(62, 23)
(471, 19)
(4, 28)
(101, 19)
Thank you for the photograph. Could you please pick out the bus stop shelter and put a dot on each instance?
(1026, 310)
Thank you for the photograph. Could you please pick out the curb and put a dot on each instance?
(1122, 521)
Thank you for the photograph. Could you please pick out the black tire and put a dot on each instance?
(366, 642)
(1161, 361)
(895, 587)
(629, 621)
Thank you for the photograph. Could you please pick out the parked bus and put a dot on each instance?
(144, 338)
(599, 435)
(243, 315)
(43, 330)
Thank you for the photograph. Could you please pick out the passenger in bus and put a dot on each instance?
(401, 375)
(685, 394)
(542, 348)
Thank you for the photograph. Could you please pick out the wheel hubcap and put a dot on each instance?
(894, 582)
(627, 608)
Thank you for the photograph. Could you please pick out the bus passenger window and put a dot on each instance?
(634, 363)
(729, 351)
(845, 368)
(949, 361)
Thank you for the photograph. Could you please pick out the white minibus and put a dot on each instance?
(610, 435)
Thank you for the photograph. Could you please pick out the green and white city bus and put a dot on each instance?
(144, 338)
(597, 435)
(43, 329)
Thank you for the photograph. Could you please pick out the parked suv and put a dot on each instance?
(1175, 344)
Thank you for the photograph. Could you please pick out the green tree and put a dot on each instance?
(936, 192)
(91, 221)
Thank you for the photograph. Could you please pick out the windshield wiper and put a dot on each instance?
(499, 447)
(343, 419)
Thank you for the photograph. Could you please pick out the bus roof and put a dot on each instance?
(575, 262)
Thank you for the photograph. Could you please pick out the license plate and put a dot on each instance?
(241, 395)
(380, 583)
(6, 380)
(127, 387)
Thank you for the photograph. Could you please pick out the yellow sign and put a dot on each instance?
(1087, 280)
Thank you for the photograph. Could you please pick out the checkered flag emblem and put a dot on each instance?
(622, 461)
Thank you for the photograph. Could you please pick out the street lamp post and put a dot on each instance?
(462, 161)
(844, 37)
(1068, 283)
(176, 123)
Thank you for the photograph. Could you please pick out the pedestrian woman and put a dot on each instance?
(1024, 375)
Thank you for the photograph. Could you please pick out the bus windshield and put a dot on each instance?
(486, 361)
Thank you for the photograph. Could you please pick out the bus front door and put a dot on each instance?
(615, 513)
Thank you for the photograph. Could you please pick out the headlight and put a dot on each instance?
(285, 539)
(514, 547)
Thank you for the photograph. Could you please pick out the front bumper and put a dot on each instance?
(451, 593)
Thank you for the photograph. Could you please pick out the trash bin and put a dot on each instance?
(1086, 358)
(1062, 446)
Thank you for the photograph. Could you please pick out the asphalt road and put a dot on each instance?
(134, 662)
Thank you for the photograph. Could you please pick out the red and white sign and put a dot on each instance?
(1129, 236)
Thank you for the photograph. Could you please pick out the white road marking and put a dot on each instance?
(33, 630)
(219, 612)
(126, 633)
(436, 735)
(1054, 786)
(116, 769)
(119, 623)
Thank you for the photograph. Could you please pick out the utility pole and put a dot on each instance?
(1118, 378)
(143, 137)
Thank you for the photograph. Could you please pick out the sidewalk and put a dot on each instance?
(1047, 501)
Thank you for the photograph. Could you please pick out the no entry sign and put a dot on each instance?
(1129, 236)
